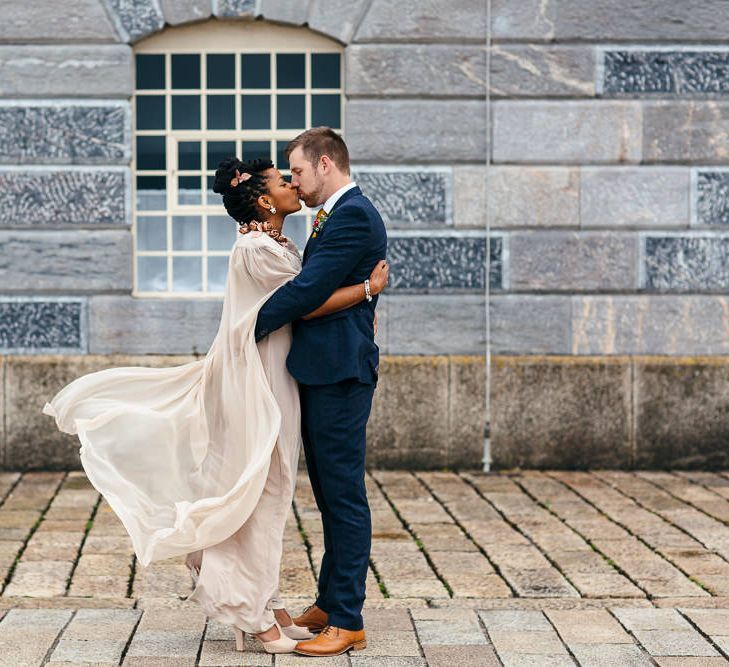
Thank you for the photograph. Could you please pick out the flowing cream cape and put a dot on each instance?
(181, 454)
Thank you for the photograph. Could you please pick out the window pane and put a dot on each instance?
(325, 70)
(151, 233)
(189, 191)
(281, 161)
(188, 155)
(256, 112)
(290, 70)
(218, 151)
(151, 112)
(253, 150)
(186, 274)
(151, 193)
(185, 112)
(217, 273)
(221, 112)
(213, 198)
(186, 232)
(295, 229)
(221, 70)
(152, 274)
(326, 110)
(186, 70)
(291, 112)
(150, 72)
(256, 70)
(222, 231)
(151, 153)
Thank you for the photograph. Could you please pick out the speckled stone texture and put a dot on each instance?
(51, 198)
(445, 263)
(139, 18)
(412, 199)
(44, 325)
(666, 73)
(686, 263)
(59, 134)
(235, 8)
(712, 198)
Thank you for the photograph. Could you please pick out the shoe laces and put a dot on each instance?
(329, 630)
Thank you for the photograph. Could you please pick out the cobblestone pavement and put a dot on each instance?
(528, 568)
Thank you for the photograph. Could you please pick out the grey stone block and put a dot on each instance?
(469, 197)
(558, 132)
(668, 325)
(57, 197)
(138, 18)
(573, 261)
(66, 260)
(686, 264)
(712, 198)
(71, 21)
(466, 411)
(533, 70)
(412, 21)
(408, 199)
(94, 133)
(442, 263)
(122, 324)
(285, 11)
(435, 324)
(533, 197)
(650, 20)
(685, 73)
(42, 325)
(524, 324)
(680, 413)
(561, 413)
(635, 197)
(235, 8)
(336, 18)
(414, 131)
(431, 70)
(32, 440)
(687, 132)
(66, 71)
(185, 11)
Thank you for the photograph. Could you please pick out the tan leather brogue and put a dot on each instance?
(313, 618)
(332, 641)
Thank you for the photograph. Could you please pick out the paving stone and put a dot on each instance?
(293, 660)
(224, 653)
(358, 661)
(39, 578)
(588, 627)
(522, 641)
(606, 655)
(390, 643)
(164, 643)
(447, 656)
(674, 643)
(388, 619)
(16, 648)
(159, 662)
(690, 662)
(89, 650)
(710, 621)
(540, 660)
(460, 629)
(517, 620)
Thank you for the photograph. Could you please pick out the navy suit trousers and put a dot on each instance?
(334, 419)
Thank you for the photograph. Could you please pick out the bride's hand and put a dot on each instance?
(379, 276)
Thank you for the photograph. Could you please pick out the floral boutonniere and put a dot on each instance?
(318, 224)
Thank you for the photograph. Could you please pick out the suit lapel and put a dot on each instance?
(353, 192)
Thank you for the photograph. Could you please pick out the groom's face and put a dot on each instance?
(306, 178)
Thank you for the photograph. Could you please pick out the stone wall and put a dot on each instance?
(606, 190)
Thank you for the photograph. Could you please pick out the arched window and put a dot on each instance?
(204, 92)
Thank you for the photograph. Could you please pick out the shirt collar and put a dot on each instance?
(329, 203)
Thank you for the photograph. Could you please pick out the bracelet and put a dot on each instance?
(368, 294)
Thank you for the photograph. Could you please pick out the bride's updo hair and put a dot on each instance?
(240, 200)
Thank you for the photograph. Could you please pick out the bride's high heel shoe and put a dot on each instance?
(298, 632)
(283, 644)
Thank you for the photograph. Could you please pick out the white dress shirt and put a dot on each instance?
(329, 203)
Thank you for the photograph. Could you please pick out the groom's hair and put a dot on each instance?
(320, 141)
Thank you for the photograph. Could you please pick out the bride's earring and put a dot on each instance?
(273, 210)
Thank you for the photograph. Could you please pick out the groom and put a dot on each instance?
(335, 360)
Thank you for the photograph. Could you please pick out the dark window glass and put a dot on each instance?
(290, 70)
(189, 192)
(151, 193)
(150, 72)
(256, 112)
(281, 161)
(325, 70)
(186, 70)
(221, 112)
(185, 112)
(188, 155)
(291, 112)
(151, 153)
(256, 70)
(326, 110)
(256, 149)
(221, 70)
(151, 112)
(218, 151)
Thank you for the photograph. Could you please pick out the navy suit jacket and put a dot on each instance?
(339, 346)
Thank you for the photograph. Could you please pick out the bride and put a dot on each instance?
(200, 460)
